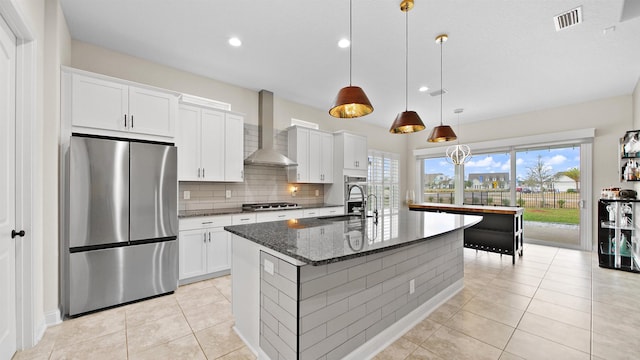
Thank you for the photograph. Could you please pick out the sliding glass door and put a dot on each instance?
(548, 187)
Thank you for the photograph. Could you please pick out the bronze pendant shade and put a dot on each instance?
(407, 121)
(351, 102)
(441, 133)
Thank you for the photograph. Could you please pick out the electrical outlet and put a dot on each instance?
(268, 266)
(187, 195)
(412, 286)
(228, 194)
(317, 192)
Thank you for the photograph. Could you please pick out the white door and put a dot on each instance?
(7, 192)
(99, 104)
(152, 112)
(193, 253)
(218, 252)
(188, 141)
(315, 157)
(212, 145)
(327, 158)
(234, 148)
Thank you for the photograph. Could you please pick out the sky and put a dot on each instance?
(556, 160)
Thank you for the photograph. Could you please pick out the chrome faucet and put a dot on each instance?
(375, 208)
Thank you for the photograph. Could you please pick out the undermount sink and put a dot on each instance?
(344, 217)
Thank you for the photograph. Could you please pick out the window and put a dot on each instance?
(438, 180)
(487, 179)
(384, 182)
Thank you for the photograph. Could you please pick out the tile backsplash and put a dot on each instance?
(261, 184)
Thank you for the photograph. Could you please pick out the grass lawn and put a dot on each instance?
(562, 216)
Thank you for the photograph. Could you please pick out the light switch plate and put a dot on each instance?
(268, 266)
(317, 192)
(187, 195)
(228, 194)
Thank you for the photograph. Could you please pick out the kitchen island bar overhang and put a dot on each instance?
(342, 287)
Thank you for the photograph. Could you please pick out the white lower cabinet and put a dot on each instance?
(205, 247)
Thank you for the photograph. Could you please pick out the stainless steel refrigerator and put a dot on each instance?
(122, 222)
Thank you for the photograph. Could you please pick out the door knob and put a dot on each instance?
(19, 233)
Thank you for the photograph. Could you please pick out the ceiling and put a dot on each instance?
(502, 58)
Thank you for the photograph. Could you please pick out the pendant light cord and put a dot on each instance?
(441, 88)
(350, 38)
(406, 62)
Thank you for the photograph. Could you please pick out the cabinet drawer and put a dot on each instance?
(309, 213)
(240, 219)
(329, 211)
(278, 215)
(204, 222)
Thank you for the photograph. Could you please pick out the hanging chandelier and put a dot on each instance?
(458, 154)
(441, 133)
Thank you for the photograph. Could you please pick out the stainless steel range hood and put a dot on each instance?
(266, 155)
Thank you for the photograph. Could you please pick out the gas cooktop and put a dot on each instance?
(270, 206)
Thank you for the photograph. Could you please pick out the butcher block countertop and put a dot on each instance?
(481, 209)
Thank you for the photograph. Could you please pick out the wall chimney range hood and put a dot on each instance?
(266, 155)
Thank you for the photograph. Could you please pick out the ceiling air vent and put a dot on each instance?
(438, 92)
(568, 19)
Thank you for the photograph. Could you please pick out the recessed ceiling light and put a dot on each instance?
(344, 43)
(423, 88)
(234, 41)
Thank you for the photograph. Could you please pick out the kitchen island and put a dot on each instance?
(500, 231)
(342, 287)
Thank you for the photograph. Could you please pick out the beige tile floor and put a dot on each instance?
(553, 304)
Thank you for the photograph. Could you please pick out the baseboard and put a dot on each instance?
(381, 341)
(52, 318)
(246, 343)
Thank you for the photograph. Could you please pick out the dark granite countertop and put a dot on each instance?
(230, 211)
(319, 241)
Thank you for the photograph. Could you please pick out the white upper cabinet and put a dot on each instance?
(234, 148)
(210, 145)
(355, 151)
(106, 106)
(298, 151)
(313, 151)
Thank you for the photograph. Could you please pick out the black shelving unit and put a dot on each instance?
(618, 243)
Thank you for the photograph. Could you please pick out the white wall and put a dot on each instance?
(636, 106)
(57, 52)
(610, 117)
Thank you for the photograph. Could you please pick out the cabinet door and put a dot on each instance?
(218, 250)
(299, 152)
(212, 145)
(193, 253)
(152, 112)
(315, 157)
(360, 150)
(98, 104)
(188, 142)
(234, 148)
(326, 168)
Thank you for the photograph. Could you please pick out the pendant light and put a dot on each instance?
(406, 121)
(458, 154)
(351, 101)
(441, 133)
